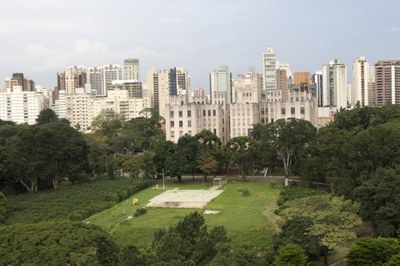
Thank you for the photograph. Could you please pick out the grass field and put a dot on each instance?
(248, 219)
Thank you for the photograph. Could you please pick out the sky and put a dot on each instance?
(42, 37)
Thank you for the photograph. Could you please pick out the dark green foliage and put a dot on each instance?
(46, 116)
(130, 256)
(75, 202)
(296, 231)
(187, 242)
(3, 208)
(379, 198)
(56, 243)
(245, 191)
(373, 251)
(291, 255)
(394, 261)
(229, 255)
(140, 211)
(292, 193)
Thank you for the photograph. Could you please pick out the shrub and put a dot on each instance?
(140, 211)
(291, 255)
(373, 251)
(245, 191)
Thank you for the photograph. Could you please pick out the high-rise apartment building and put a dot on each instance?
(171, 82)
(334, 84)
(72, 78)
(221, 81)
(269, 69)
(102, 77)
(361, 82)
(387, 82)
(131, 69)
(317, 80)
(20, 106)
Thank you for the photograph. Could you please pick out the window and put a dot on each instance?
(302, 111)
(189, 113)
(172, 134)
(181, 123)
(189, 123)
(214, 113)
(172, 124)
(283, 111)
(209, 112)
(180, 113)
(204, 112)
(171, 114)
(292, 110)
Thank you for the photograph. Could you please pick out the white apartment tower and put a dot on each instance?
(20, 106)
(361, 80)
(269, 69)
(131, 69)
(334, 84)
(221, 81)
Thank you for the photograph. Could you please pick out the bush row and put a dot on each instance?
(75, 203)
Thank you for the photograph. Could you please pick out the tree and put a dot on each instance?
(188, 149)
(326, 159)
(20, 158)
(56, 243)
(296, 231)
(263, 152)
(290, 136)
(130, 256)
(208, 140)
(46, 116)
(62, 151)
(373, 251)
(334, 218)
(291, 255)
(207, 164)
(379, 197)
(241, 151)
(187, 242)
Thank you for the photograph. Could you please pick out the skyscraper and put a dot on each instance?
(317, 80)
(72, 78)
(334, 84)
(171, 82)
(361, 81)
(131, 69)
(269, 69)
(387, 82)
(221, 80)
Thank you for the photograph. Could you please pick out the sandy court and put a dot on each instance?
(176, 198)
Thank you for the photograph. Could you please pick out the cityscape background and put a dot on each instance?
(42, 37)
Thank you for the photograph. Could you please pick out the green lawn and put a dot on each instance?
(247, 219)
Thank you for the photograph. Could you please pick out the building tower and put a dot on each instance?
(131, 69)
(334, 84)
(361, 81)
(72, 78)
(269, 69)
(317, 81)
(387, 82)
(221, 80)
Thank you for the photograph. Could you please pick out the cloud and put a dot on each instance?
(176, 20)
(83, 52)
(394, 29)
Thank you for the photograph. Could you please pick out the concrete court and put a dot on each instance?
(177, 198)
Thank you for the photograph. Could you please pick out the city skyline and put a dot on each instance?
(44, 38)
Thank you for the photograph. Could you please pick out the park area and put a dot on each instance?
(248, 217)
